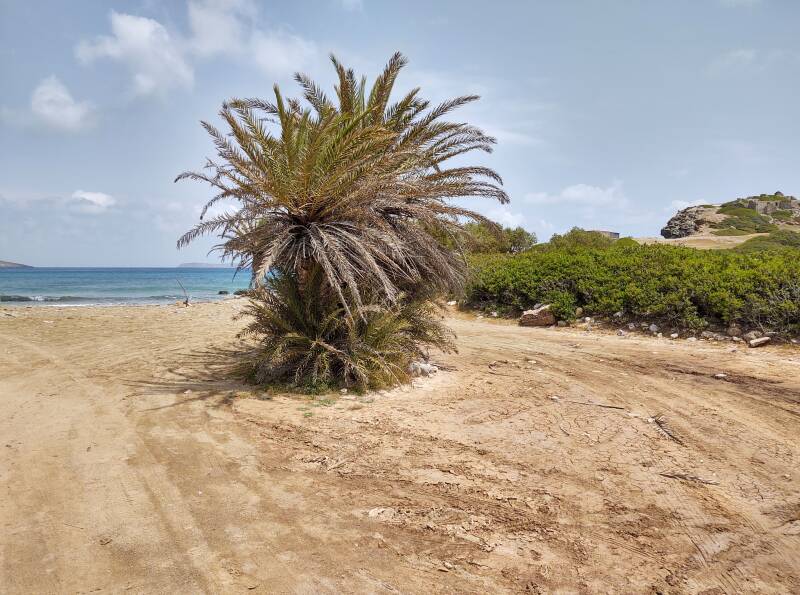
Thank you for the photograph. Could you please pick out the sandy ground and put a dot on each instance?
(703, 241)
(132, 463)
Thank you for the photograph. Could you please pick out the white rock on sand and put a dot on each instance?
(541, 316)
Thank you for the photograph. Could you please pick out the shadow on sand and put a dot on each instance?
(214, 373)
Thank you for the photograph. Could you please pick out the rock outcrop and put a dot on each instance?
(750, 214)
(4, 264)
(684, 223)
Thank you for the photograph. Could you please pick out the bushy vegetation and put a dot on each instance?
(742, 219)
(683, 287)
(339, 204)
(306, 339)
(777, 240)
(486, 237)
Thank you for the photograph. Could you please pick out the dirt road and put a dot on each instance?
(532, 463)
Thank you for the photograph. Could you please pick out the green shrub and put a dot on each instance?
(743, 219)
(480, 238)
(730, 231)
(579, 237)
(783, 215)
(306, 340)
(776, 240)
(624, 242)
(680, 286)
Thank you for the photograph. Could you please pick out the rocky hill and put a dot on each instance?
(744, 216)
(4, 264)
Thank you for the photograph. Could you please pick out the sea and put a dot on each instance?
(116, 286)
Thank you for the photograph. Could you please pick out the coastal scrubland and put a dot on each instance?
(756, 285)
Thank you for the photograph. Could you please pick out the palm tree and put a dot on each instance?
(356, 187)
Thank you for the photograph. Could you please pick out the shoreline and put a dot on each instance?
(34, 304)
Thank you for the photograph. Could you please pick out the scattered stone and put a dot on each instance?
(223, 292)
(752, 335)
(241, 292)
(452, 303)
(480, 316)
(720, 376)
(555, 398)
(653, 328)
(578, 312)
(562, 323)
(736, 339)
(344, 391)
(587, 319)
(541, 316)
(707, 335)
(494, 314)
(734, 331)
(759, 342)
(621, 333)
(660, 335)
(617, 314)
(674, 336)
(422, 369)
(692, 339)
(631, 326)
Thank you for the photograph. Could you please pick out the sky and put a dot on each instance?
(609, 114)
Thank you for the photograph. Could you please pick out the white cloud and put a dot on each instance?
(749, 60)
(736, 3)
(678, 205)
(735, 60)
(506, 217)
(93, 202)
(279, 53)
(160, 61)
(53, 105)
(582, 195)
(154, 58)
(219, 26)
(512, 137)
(352, 5)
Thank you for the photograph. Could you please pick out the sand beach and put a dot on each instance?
(536, 460)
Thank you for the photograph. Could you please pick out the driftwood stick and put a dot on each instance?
(595, 404)
(686, 477)
(185, 293)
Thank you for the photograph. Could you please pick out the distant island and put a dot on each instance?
(4, 264)
(204, 265)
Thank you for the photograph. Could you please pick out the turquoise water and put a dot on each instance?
(110, 286)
